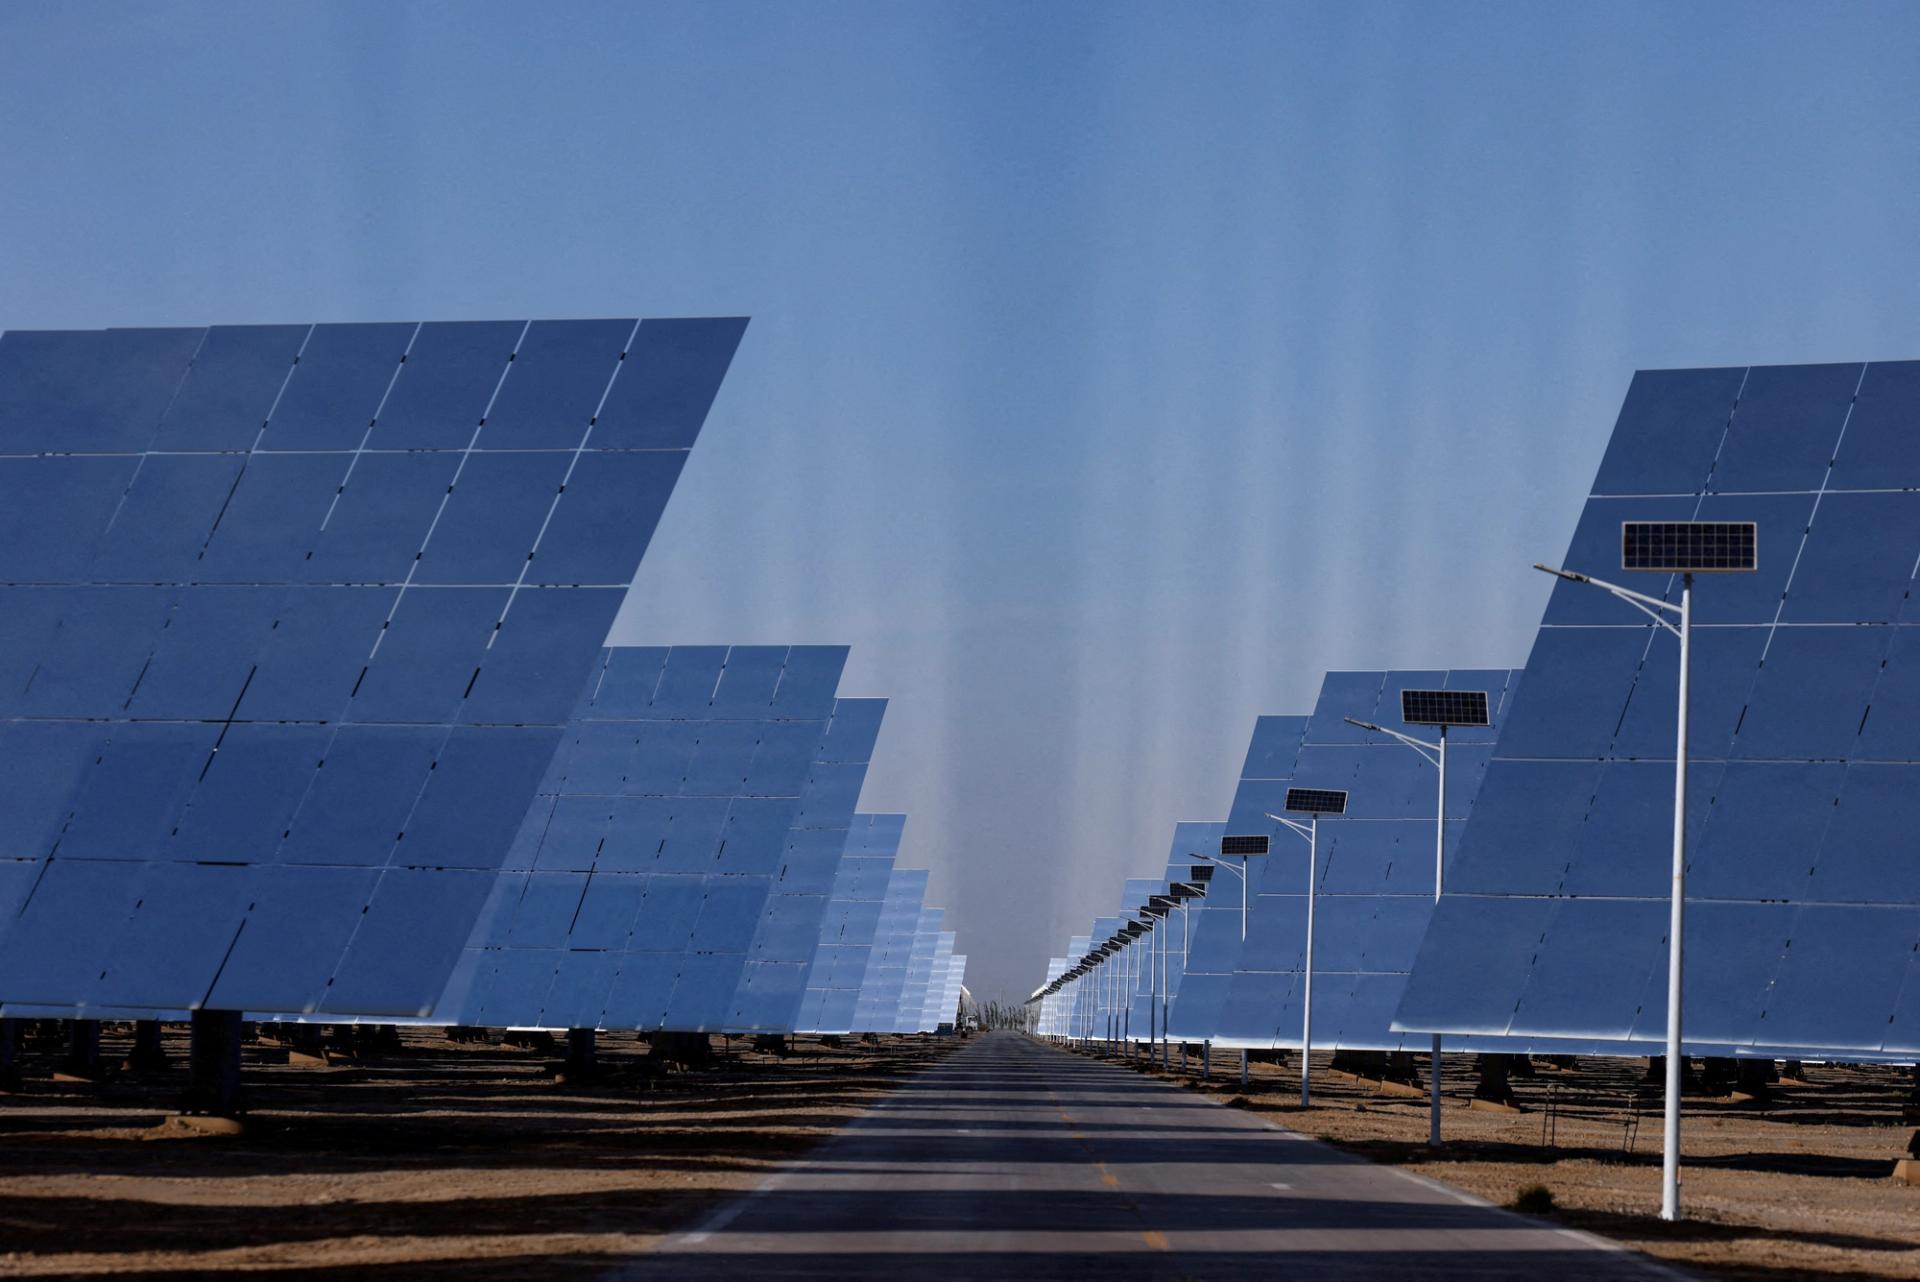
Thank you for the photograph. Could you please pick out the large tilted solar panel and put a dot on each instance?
(930, 1014)
(1139, 1009)
(1213, 954)
(881, 990)
(1109, 990)
(913, 995)
(290, 619)
(1376, 865)
(1105, 995)
(774, 980)
(1074, 1014)
(1061, 1001)
(1054, 1011)
(852, 918)
(1182, 924)
(693, 784)
(1804, 783)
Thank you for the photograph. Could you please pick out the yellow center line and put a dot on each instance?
(1154, 1238)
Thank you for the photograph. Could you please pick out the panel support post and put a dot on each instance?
(147, 1055)
(582, 1054)
(1206, 1060)
(9, 1054)
(1670, 1135)
(83, 1049)
(1492, 1084)
(1439, 872)
(1306, 1001)
(213, 1085)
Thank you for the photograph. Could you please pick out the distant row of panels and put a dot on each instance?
(1804, 779)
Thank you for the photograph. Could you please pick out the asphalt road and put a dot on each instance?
(1012, 1159)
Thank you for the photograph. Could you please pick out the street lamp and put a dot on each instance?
(1440, 708)
(1242, 847)
(1312, 802)
(1159, 906)
(1181, 892)
(1685, 548)
(1130, 981)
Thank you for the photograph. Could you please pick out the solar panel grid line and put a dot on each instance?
(360, 449)
(572, 465)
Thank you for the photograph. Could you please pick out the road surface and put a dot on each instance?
(1013, 1159)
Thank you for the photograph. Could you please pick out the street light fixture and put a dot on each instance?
(1312, 802)
(1440, 708)
(1243, 847)
(1685, 548)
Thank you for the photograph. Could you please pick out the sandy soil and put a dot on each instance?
(1794, 1189)
(439, 1161)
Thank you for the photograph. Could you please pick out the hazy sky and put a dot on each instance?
(1115, 369)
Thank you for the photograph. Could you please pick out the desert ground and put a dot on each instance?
(1796, 1188)
(433, 1160)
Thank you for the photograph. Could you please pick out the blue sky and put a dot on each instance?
(1115, 369)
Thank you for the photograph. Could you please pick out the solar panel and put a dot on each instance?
(1182, 927)
(848, 929)
(878, 1007)
(1317, 801)
(242, 633)
(1375, 887)
(1241, 846)
(1693, 547)
(1214, 946)
(1444, 708)
(1802, 752)
(919, 972)
(705, 873)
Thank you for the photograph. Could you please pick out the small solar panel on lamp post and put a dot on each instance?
(1685, 548)
(1440, 708)
(1312, 802)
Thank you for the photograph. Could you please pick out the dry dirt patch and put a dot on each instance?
(1796, 1189)
(441, 1160)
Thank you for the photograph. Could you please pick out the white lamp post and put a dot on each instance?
(1685, 548)
(1435, 708)
(1312, 802)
